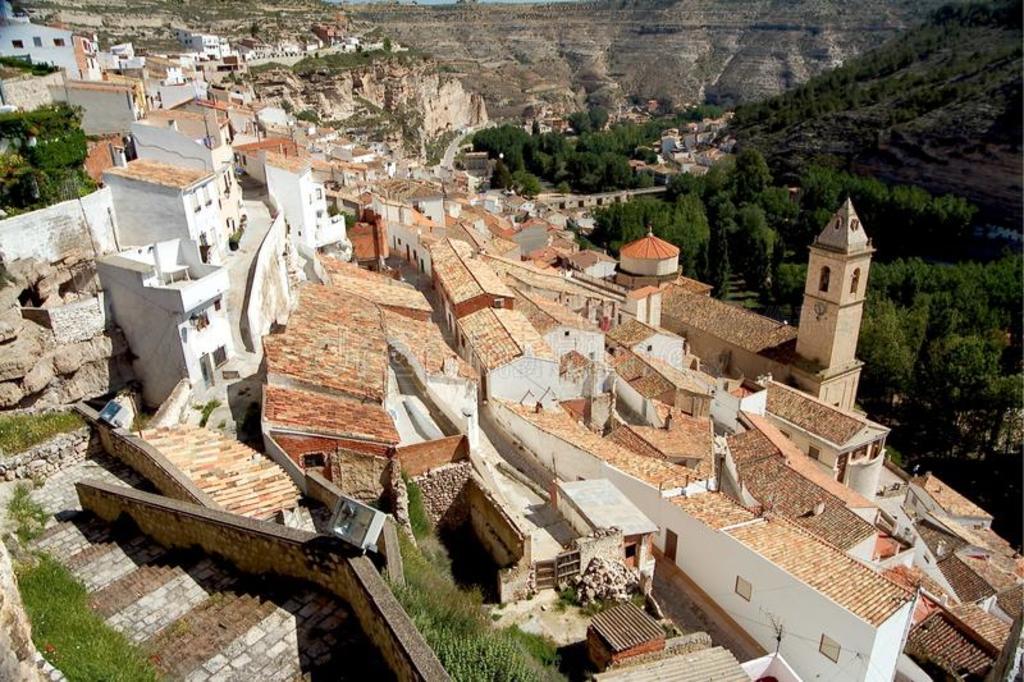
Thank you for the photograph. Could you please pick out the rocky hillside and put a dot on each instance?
(677, 50)
(938, 107)
(404, 100)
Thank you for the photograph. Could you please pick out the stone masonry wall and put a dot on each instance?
(17, 653)
(261, 547)
(495, 529)
(445, 495)
(49, 457)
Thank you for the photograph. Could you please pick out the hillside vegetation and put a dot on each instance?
(938, 107)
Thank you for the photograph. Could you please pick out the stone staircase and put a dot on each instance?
(238, 478)
(198, 619)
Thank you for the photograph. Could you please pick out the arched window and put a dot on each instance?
(855, 281)
(823, 281)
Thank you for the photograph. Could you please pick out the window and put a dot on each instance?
(567, 333)
(216, 304)
(499, 303)
(826, 273)
(201, 320)
(631, 551)
(813, 452)
(855, 281)
(58, 42)
(744, 588)
(313, 459)
(650, 348)
(829, 648)
(37, 41)
(18, 43)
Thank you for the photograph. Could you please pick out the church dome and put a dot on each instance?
(650, 256)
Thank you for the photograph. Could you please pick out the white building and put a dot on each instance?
(657, 343)
(205, 44)
(839, 620)
(39, 44)
(198, 140)
(304, 204)
(156, 202)
(172, 309)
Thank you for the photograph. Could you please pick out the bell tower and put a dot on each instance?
(837, 277)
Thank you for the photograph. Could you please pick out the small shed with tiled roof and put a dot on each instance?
(622, 632)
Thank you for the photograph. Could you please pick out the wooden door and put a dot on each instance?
(671, 541)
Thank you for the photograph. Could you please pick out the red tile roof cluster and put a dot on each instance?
(327, 415)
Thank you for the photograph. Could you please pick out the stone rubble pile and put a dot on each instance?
(605, 580)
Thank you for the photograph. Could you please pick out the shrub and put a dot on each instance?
(418, 519)
(28, 515)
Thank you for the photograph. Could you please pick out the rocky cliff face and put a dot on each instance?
(676, 50)
(408, 104)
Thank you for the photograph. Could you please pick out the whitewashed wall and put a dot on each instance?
(84, 226)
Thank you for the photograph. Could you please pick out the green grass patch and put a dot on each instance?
(455, 625)
(28, 515)
(418, 519)
(70, 635)
(19, 432)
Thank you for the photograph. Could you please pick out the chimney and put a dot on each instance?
(670, 419)
(819, 508)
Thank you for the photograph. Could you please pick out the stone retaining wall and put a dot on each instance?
(261, 547)
(444, 494)
(18, 656)
(49, 457)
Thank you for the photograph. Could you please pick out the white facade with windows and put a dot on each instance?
(172, 308)
(38, 44)
(304, 204)
(149, 211)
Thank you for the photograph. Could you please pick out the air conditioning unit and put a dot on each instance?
(357, 524)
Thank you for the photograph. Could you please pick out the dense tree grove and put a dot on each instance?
(596, 159)
(941, 340)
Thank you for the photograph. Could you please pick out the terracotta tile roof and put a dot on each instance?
(692, 285)
(733, 324)
(940, 637)
(714, 509)
(936, 537)
(763, 470)
(912, 577)
(949, 500)
(990, 571)
(633, 332)
(716, 664)
(403, 189)
(334, 341)
(968, 585)
(572, 361)
(855, 587)
(424, 340)
(643, 292)
(520, 273)
(660, 474)
(238, 478)
(805, 466)
(498, 336)
(812, 415)
(686, 438)
(653, 378)
(326, 415)
(374, 287)
(144, 170)
(649, 248)
(588, 257)
(461, 275)
(293, 164)
(1011, 601)
(98, 86)
(280, 145)
(545, 314)
(991, 628)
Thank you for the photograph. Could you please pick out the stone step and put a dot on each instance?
(67, 538)
(205, 631)
(105, 562)
(170, 600)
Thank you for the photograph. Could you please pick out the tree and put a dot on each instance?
(718, 261)
(526, 183)
(580, 122)
(751, 176)
(535, 128)
(598, 118)
(754, 243)
(387, 44)
(502, 177)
